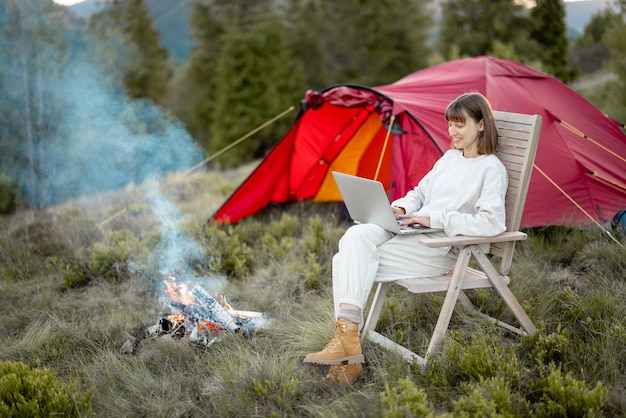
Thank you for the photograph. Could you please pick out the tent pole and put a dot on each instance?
(583, 135)
(382, 154)
(206, 160)
(614, 183)
(576, 204)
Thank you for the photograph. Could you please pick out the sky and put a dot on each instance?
(67, 2)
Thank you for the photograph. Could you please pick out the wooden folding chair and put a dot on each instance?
(517, 145)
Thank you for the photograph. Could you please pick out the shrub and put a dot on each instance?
(405, 399)
(109, 259)
(490, 397)
(313, 273)
(544, 349)
(313, 239)
(564, 396)
(484, 356)
(75, 274)
(228, 254)
(26, 391)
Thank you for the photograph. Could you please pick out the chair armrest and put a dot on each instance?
(464, 241)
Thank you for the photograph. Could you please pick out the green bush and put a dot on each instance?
(483, 356)
(314, 241)
(492, 397)
(228, 254)
(109, 259)
(405, 399)
(564, 396)
(558, 245)
(29, 392)
(545, 349)
(76, 274)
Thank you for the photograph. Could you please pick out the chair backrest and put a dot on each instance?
(517, 146)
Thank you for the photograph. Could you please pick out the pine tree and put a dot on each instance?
(311, 41)
(207, 27)
(134, 48)
(256, 80)
(615, 40)
(243, 75)
(366, 42)
(549, 31)
(472, 26)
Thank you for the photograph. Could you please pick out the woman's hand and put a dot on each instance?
(398, 211)
(414, 219)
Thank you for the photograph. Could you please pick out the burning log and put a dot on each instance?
(201, 318)
(200, 315)
(215, 312)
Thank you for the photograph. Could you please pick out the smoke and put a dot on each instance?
(67, 128)
(104, 141)
(177, 252)
(68, 132)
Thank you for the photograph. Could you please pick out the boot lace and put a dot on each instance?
(335, 340)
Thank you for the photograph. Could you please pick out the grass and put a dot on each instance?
(73, 292)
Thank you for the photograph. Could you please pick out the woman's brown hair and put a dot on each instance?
(477, 107)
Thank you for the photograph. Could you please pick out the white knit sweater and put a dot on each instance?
(464, 196)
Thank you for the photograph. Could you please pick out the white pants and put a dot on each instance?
(369, 253)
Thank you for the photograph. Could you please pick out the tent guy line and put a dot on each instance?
(576, 204)
(241, 139)
(205, 161)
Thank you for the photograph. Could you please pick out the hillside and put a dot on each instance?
(171, 19)
(579, 12)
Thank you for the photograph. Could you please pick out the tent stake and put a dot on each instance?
(206, 160)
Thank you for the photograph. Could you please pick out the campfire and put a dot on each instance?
(199, 317)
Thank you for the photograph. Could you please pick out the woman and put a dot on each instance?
(463, 194)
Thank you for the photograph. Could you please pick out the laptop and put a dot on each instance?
(367, 202)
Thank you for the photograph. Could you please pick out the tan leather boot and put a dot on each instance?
(344, 346)
(343, 374)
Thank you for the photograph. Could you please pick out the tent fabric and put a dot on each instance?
(347, 128)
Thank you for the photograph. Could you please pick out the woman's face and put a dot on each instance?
(465, 135)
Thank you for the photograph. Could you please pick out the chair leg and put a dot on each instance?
(369, 329)
(377, 306)
(466, 302)
(503, 290)
(450, 300)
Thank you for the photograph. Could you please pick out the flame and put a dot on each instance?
(209, 326)
(200, 319)
(176, 318)
(178, 293)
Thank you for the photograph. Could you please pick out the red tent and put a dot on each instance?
(580, 168)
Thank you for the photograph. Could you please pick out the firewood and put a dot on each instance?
(215, 312)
